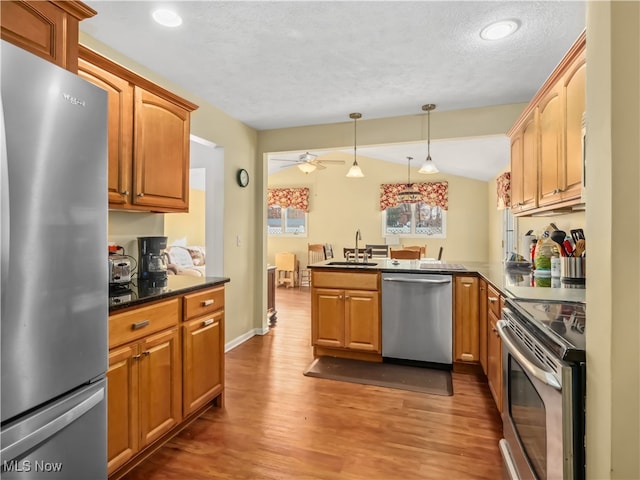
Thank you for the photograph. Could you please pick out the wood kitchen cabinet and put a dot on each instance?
(546, 141)
(47, 29)
(466, 345)
(483, 325)
(346, 317)
(144, 379)
(148, 138)
(203, 349)
(494, 346)
(524, 165)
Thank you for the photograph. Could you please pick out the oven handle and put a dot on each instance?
(544, 376)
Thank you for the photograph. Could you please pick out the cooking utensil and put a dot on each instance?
(558, 236)
(580, 248)
(577, 234)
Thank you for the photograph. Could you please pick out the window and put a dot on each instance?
(509, 234)
(414, 220)
(287, 213)
(286, 221)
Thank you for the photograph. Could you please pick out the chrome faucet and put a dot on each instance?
(358, 237)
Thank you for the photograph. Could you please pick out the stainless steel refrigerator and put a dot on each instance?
(54, 302)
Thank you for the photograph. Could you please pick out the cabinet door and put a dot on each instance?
(362, 320)
(574, 104)
(160, 385)
(550, 121)
(161, 153)
(524, 166)
(327, 317)
(467, 345)
(46, 29)
(494, 361)
(483, 326)
(122, 405)
(203, 360)
(120, 129)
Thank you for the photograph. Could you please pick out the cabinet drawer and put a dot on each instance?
(493, 301)
(355, 280)
(201, 303)
(140, 322)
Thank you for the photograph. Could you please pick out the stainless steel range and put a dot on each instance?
(544, 378)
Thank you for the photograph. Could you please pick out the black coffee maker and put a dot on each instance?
(152, 258)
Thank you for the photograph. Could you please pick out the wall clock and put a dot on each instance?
(243, 177)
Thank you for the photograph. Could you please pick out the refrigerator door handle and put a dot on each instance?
(21, 442)
(4, 202)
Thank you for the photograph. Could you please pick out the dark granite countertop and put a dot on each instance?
(143, 291)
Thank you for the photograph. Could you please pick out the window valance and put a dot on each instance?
(289, 197)
(435, 194)
(503, 190)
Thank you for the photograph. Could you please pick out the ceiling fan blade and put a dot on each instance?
(283, 160)
(334, 162)
(319, 166)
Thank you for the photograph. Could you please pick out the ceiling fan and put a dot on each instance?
(308, 162)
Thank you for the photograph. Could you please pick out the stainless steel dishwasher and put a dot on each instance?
(417, 318)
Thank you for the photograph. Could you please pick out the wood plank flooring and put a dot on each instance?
(279, 424)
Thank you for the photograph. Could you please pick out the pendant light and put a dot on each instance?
(409, 194)
(428, 166)
(355, 171)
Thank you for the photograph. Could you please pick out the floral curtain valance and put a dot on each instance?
(289, 197)
(503, 190)
(433, 193)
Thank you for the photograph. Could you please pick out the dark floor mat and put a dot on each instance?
(417, 379)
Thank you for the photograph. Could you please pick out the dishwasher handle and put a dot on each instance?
(423, 281)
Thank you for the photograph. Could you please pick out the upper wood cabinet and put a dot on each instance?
(148, 138)
(524, 165)
(46, 29)
(546, 141)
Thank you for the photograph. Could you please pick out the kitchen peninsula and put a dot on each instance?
(166, 362)
(347, 306)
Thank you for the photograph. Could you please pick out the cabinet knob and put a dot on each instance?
(141, 194)
(146, 353)
(124, 192)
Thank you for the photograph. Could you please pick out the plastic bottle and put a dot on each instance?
(545, 250)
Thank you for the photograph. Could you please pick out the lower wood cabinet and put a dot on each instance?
(203, 360)
(483, 325)
(346, 319)
(466, 345)
(494, 361)
(144, 394)
(166, 363)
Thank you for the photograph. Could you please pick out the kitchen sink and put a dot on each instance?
(354, 264)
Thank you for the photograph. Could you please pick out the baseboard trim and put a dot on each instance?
(244, 337)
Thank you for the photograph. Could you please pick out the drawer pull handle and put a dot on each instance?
(207, 322)
(139, 325)
(146, 353)
(493, 299)
(207, 303)
(137, 357)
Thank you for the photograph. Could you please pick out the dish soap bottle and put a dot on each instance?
(546, 249)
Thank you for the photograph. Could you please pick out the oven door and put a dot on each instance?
(538, 411)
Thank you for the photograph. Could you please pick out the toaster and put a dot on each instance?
(119, 270)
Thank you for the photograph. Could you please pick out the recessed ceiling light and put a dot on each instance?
(498, 30)
(168, 18)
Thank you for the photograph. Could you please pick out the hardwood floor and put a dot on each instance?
(279, 424)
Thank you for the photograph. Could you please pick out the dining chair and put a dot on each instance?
(380, 251)
(315, 254)
(421, 248)
(405, 254)
(328, 251)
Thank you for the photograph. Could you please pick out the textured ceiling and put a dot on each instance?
(275, 64)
